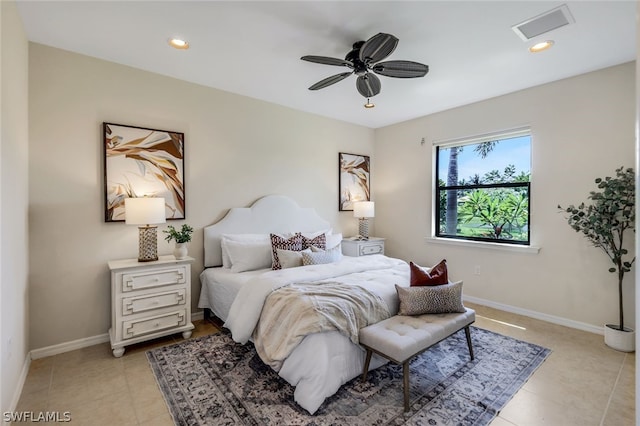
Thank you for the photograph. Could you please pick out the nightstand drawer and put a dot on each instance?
(139, 327)
(133, 305)
(357, 247)
(153, 278)
(371, 249)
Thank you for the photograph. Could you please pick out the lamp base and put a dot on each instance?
(147, 243)
(363, 228)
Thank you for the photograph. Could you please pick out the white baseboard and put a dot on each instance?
(69, 346)
(18, 390)
(537, 315)
(83, 343)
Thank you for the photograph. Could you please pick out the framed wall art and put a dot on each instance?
(142, 162)
(354, 180)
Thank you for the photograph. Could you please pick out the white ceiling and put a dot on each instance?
(254, 48)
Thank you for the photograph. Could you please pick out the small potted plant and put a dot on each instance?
(181, 237)
(605, 223)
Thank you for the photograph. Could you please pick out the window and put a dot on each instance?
(483, 188)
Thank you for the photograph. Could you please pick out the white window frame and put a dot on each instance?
(472, 140)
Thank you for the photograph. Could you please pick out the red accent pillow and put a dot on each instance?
(436, 275)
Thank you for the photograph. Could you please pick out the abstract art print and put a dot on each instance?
(142, 162)
(354, 177)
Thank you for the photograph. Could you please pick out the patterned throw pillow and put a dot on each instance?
(318, 257)
(319, 241)
(441, 299)
(278, 242)
(436, 275)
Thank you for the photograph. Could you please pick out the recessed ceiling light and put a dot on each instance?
(369, 104)
(178, 44)
(539, 47)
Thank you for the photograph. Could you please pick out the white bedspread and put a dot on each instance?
(246, 308)
(322, 362)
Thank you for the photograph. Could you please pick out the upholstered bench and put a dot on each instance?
(400, 338)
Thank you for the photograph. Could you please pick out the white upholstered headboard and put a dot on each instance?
(273, 213)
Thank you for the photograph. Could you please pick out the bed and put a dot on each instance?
(237, 283)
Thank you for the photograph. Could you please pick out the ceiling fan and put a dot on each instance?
(364, 60)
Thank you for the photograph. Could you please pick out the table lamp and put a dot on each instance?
(363, 210)
(146, 212)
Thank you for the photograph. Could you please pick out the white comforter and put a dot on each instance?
(322, 362)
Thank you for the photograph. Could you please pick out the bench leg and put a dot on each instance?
(467, 332)
(405, 373)
(366, 365)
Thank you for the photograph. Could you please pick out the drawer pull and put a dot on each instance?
(157, 324)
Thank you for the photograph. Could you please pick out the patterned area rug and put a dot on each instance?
(213, 381)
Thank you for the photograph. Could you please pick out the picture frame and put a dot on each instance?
(138, 162)
(354, 179)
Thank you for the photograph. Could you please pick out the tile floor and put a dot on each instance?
(582, 383)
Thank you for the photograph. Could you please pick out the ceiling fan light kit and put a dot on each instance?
(364, 61)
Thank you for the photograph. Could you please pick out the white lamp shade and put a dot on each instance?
(364, 209)
(144, 211)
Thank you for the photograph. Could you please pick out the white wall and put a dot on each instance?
(13, 204)
(237, 150)
(582, 128)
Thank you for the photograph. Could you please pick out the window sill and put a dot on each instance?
(483, 245)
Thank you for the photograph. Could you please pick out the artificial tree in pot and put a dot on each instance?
(606, 222)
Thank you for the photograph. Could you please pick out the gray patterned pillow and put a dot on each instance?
(318, 257)
(441, 299)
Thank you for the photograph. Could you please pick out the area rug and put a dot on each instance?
(212, 380)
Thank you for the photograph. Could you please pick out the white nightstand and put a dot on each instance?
(373, 245)
(149, 300)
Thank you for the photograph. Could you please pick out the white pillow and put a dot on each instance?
(334, 240)
(291, 258)
(312, 235)
(226, 262)
(248, 256)
(318, 257)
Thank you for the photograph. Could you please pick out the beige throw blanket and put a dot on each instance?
(292, 312)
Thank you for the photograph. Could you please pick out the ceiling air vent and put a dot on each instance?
(555, 18)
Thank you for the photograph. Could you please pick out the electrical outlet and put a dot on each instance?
(476, 270)
(9, 347)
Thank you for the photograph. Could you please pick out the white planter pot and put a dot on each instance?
(624, 341)
(180, 251)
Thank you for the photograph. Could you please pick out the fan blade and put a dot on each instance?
(327, 61)
(368, 85)
(401, 69)
(330, 80)
(377, 48)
